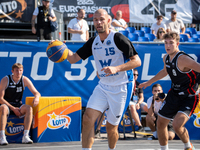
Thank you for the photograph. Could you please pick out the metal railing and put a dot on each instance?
(92, 30)
(62, 32)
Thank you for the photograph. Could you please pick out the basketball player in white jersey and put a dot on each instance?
(115, 57)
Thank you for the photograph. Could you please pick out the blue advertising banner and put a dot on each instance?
(65, 79)
(50, 79)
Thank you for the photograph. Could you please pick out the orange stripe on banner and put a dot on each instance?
(42, 121)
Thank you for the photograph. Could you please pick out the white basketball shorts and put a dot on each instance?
(114, 98)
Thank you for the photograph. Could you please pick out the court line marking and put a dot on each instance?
(97, 145)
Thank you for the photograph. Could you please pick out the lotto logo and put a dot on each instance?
(127, 121)
(14, 129)
(197, 114)
(58, 121)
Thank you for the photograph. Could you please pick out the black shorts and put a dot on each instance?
(10, 112)
(169, 126)
(175, 103)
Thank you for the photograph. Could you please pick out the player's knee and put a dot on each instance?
(160, 124)
(111, 128)
(176, 126)
(3, 110)
(28, 109)
(132, 107)
(86, 119)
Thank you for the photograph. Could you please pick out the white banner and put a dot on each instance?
(146, 11)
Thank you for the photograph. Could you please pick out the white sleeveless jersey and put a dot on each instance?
(107, 54)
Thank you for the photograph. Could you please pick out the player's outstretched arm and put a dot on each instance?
(73, 57)
(144, 85)
(185, 63)
(161, 74)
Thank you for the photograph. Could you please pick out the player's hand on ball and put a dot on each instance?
(57, 51)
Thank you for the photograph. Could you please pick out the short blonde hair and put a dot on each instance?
(17, 65)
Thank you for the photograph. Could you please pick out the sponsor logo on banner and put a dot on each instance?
(14, 7)
(70, 8)
(14, 129)
(146, 11)
(88, 5)
(58, 121)
(104, 121)
(127, 121)
(197, 114)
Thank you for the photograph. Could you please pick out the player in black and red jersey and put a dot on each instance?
(182, 98)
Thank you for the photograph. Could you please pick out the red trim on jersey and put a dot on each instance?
(188, 91)
(193, 89)
(194, 74)
(190, 79)
(195, 77)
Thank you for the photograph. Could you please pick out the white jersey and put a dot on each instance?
(107, 54)
(115, 50)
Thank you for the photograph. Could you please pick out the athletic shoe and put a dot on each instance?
(141, 129)
(26, 140)
(97, 131)
(152, 138)
(3, 141)
(191, 148)
(97, 134)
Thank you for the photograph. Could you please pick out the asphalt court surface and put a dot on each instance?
(130, 143)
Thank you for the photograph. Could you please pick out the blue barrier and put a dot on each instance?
(64, 79)
(14, 129)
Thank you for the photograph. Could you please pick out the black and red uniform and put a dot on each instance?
(182, 96)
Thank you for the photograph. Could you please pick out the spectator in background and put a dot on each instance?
(11, 91)
(157, 25)
(118, 22)
(192, 25)
(154, 103)
(78, 27)
(137, 101)
(160, 33)
(44, 15)
(175, 25)
(109, 24)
